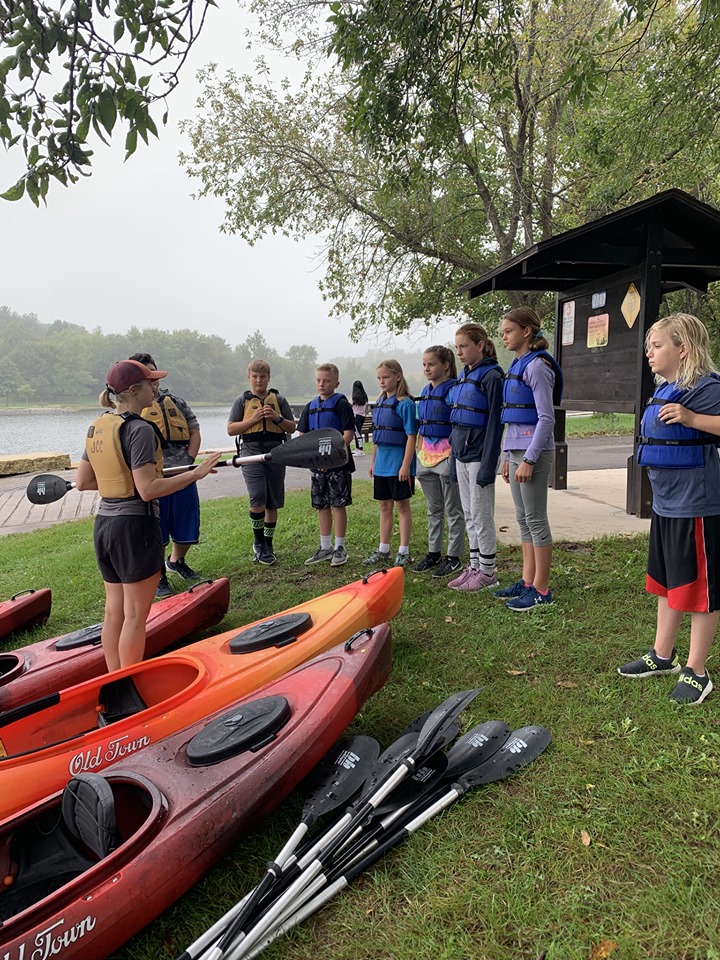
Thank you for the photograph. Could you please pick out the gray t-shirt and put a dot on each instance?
(140, 443)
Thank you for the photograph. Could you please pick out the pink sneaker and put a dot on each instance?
(454, 584)
(479, 581)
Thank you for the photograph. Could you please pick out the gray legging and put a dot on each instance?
(443, 501)
(531, 498)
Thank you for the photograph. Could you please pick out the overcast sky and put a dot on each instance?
(130, 246)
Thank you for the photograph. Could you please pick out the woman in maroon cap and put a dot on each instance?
(123, 460)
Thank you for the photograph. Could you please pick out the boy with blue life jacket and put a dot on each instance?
(330, 490)
(532, 389)
(475, 442)
(682, 461)
(433, 471)
(393, 462)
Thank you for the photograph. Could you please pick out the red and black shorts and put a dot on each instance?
(684, 562)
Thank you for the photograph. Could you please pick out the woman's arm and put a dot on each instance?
(150, 486)
(85, 478)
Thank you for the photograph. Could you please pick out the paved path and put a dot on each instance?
(592, 506)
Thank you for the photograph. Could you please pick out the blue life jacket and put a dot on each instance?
(433, 412)
(670, 445)
(388, 426)
(518, 400)
(469, 401)
(323, 413)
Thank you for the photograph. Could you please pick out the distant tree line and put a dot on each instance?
(63, 362)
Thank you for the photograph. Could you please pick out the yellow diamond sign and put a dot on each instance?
(630, 306)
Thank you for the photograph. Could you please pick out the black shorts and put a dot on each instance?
(330, 488)
(684, 562)
(390, 488)
(128, 549)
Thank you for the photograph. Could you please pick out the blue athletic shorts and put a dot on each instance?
(180, 516)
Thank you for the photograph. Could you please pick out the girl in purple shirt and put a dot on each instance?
(532, 388)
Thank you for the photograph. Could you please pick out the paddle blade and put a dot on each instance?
(476, 746)
(416, 725)
(340, 773)
(47, 488)
(440, 720)
(318, 450)
(428, 773)
(524, 746)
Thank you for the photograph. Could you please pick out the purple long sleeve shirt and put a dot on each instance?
(534, 439)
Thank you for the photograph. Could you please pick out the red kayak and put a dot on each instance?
(25, 609)
(40, 668)
(89, 867)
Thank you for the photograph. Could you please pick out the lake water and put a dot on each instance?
(30, 431)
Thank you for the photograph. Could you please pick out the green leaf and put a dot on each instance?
(119, 30)
(130, 143)
(107, 110)
(16, 192)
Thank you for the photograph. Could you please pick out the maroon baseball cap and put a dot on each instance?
(126, 373)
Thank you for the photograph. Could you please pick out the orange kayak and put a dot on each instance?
(48, 665)
(90, 726)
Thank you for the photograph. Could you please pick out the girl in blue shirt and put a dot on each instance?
(393, 461)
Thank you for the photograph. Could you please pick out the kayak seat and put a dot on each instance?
(119, 699)
(88, 811)
(43, 854)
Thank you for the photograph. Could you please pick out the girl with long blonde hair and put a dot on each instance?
(679, 448)
(393, 461)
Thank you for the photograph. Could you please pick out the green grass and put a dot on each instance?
(503, 875)
(600, 425)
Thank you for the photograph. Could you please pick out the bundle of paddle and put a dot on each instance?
(387, 797)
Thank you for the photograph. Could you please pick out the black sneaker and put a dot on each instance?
(446, 566)
(163, 588)
(266, 555)
(651, 665)
(182, 569)
(429, 561)
(691, 690)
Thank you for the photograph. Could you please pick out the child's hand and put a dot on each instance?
(676, 413)
(524, 472)
(505, 472)
(404, 474)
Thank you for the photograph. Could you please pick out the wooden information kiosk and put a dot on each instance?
(610, 276)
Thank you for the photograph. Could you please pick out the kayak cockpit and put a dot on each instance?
(11, 666)
(52, 845)
(48, 721)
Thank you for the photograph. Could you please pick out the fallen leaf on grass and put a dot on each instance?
(516, 673)
(585, 838)
(448, 620)
(503, 529)
(602, 950)
(568, 684)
